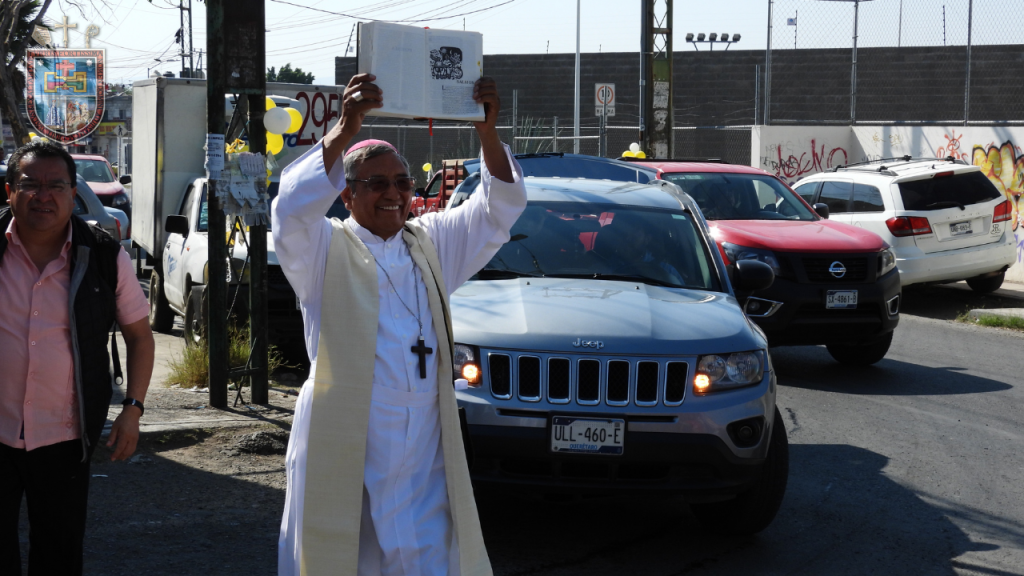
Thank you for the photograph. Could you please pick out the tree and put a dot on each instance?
(286, 74)
(18, 18)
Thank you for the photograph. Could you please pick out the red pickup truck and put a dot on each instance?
(438, 191)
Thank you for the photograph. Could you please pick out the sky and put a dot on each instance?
(139, 35)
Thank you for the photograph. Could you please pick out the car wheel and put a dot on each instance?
(195, 315)
(753, 510)
(161, 317)
(861, 354)
(986, 284)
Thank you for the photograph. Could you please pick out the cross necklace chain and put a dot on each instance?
(420, 348)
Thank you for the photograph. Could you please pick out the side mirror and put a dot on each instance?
(420, 191)
(176, 224)
(753, 275)
(822, 210)
(126, 179)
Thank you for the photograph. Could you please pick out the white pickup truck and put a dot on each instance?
(170, 207)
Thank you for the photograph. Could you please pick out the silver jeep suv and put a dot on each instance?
(605, 351)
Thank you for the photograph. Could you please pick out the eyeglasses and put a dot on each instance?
(379, 185)
(32, 187)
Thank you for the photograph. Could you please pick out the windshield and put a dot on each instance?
(563, 166)
(337, 210)
(576, 240)
(94, 170)
(741, 196)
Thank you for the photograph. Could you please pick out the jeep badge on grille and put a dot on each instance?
(580, 343)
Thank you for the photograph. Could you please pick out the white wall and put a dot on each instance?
(794, 152)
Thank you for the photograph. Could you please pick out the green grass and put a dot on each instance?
(191, 368)
(1012, 322)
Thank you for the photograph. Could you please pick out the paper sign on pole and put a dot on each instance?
(604, 99)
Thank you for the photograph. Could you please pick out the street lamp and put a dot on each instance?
(712, 39)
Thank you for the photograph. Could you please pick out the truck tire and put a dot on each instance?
(161, 317)
(861, 354)
(753, 510)
(986, 284)
(196, 310)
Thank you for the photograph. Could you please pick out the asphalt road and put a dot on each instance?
(911, 466)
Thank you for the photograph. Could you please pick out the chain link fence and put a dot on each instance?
(883, 61)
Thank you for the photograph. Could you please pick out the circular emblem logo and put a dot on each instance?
(837, 269)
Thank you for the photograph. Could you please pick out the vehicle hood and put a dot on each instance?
(241, 250)
(549, 314)
(106, 188)
(796, 236)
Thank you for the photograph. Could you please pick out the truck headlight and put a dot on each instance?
(725, 371)
(120, 199)
(466, 364)
(886, 261)
(735, 253)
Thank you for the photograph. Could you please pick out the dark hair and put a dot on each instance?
(39, 149)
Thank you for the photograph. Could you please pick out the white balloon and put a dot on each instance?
(277, 121)
(634, 147)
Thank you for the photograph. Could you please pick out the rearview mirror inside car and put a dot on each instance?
(753, 275)
(822, 210)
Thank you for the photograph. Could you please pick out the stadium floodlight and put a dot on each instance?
(712, 39)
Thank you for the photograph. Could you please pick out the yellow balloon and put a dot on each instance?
(32, 134)
(270, 103)
(275, 143)
(628, 154)
(427, 167)
(296, 120)
(640, 154)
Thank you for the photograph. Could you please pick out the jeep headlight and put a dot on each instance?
(466, 364)
(120, 199)
(726, 371)
(735, 253)
(886, 261)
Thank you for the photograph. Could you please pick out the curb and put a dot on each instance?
(1005, 313)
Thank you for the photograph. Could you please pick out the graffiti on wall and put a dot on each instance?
(952, 148)
(1004, 166)
(783, 161)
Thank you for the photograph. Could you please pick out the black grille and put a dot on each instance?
(675, 382)
(647, 382)
(529, 377)
(276, 277)
(589, 385)
(558, 379)
(501, 374)
(817, 269)
(618, 381)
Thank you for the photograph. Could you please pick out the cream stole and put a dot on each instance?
(341, 409)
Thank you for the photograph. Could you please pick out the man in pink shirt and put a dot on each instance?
(63, 284)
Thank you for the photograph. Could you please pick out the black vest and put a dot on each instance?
(93, 262)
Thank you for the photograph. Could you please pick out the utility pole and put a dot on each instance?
(853, 67)
(185, 38)
(576, 98)
(217, 325)
(656, 79)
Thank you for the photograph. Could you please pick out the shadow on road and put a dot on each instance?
(842, 515)
(812, 367)
(948, 302)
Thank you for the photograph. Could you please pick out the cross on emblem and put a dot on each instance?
(64, 67)
(65, 26)
(421, 349)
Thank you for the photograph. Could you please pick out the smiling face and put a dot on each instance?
(382, 213)
(43, 197)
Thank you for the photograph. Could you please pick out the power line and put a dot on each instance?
(394, 21)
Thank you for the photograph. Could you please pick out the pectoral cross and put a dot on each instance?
(421, 349)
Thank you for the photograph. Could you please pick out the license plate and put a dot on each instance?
(841, 299)
(587, 436)
(960, 228)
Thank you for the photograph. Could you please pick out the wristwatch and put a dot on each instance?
(136, 403)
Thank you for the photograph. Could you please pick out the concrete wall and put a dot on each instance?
(793, 152)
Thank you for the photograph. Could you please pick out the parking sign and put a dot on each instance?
(604, 99)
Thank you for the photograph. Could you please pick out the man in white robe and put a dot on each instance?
(406, 525)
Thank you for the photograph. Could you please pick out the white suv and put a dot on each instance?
(944, 219)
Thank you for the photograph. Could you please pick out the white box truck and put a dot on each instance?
(169, 200)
